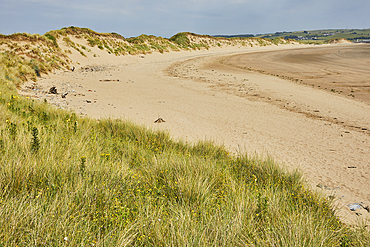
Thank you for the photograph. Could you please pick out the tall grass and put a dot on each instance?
(183, 41)
(71, 181)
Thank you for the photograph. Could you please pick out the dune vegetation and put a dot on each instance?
(47, 48)
(322, 36)
(67, 180)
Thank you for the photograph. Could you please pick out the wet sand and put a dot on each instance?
(202, 97)
(342, 69)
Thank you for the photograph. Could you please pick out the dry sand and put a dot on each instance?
(212, 95)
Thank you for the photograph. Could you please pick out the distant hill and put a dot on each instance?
(314, 36)
(354, 35)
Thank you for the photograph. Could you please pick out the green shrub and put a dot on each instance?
(52, 38)
(181, 39)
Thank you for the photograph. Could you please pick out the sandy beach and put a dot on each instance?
(233, 96)
(340, 69)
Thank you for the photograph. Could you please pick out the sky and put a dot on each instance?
(164, 18)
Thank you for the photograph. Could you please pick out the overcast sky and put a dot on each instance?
(168, 17)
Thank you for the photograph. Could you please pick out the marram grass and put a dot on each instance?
(72, 181)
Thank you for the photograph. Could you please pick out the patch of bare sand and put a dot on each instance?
(200, 97)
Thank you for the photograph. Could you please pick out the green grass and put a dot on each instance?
(72, 181)
(183, 41)
(52, 38)
(74, 45)
(322, 35)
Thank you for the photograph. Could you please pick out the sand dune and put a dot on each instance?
(213, 95)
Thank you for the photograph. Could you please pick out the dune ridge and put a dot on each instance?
(55, 48)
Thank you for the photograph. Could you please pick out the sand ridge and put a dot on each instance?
(200, 96)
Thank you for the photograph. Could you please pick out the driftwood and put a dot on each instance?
(53, 90)
(159, 120)
(109, 80)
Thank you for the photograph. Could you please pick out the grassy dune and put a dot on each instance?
(72, 181)
(47, 49)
